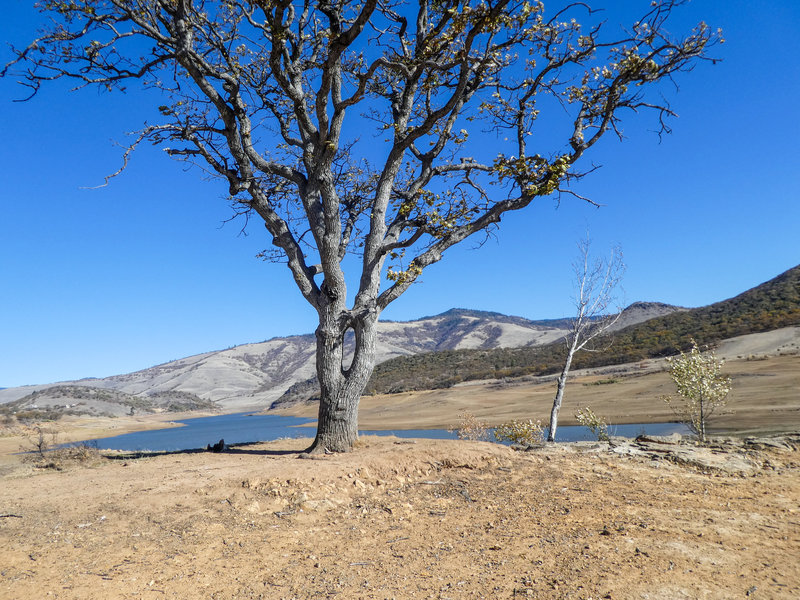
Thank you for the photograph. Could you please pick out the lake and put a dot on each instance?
(245, 427)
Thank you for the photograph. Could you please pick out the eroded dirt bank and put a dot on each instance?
(430, 519)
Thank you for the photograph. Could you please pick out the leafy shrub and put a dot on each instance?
(702, 388)
(526, 433)
(597, 425)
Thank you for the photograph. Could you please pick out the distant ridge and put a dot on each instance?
(255, 375)
(458, 313)
(439, 351)
(771, 305)
(56, 401)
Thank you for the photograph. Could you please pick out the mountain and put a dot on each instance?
(434, 351)
(255, 375)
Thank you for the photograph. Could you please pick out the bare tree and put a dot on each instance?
(596, 287)
(273, 96)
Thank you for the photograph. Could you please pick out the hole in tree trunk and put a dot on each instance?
(348, 348)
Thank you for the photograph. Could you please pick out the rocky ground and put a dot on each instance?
(410, 519)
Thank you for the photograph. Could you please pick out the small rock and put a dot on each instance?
(673, 439)
(773, 443)
(730, 463)
(312, 505)
(218, 447)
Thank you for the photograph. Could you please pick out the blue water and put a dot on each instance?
(240, 428)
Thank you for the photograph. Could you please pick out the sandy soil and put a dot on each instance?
(73, 429)
(400, 519)
(417, 519)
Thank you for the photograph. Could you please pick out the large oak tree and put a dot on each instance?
(385, 130)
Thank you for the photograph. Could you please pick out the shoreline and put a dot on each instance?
(764, 400)
(73, 429)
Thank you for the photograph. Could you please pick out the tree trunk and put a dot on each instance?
(702, 428)
(562, 383)
(340, 387)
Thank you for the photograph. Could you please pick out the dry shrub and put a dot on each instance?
(471, 428)
(84, 453)
(43, 451)
(39, 442)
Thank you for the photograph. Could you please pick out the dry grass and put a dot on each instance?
(43, 450)
(765, 398)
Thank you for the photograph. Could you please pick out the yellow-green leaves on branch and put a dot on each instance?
(534, 174)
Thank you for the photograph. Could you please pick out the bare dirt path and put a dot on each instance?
(427, 519)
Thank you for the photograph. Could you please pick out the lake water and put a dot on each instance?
(240, 428)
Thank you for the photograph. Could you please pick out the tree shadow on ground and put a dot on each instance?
(241, 448)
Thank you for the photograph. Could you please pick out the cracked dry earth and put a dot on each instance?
(428, 519)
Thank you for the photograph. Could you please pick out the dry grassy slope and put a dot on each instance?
(767, 307)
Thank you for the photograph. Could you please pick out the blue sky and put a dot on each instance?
(108, 281)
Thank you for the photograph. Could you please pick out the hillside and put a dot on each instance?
(59, 400)
(771, 305)
(255, 375)
(428, 353)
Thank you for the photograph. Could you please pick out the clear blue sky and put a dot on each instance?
(108, 281)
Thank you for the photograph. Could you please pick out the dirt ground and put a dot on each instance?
(400, 519)
(417, 519)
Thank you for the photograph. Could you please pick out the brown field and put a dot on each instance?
(418, 519)
(398, 519)
(765, 398)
